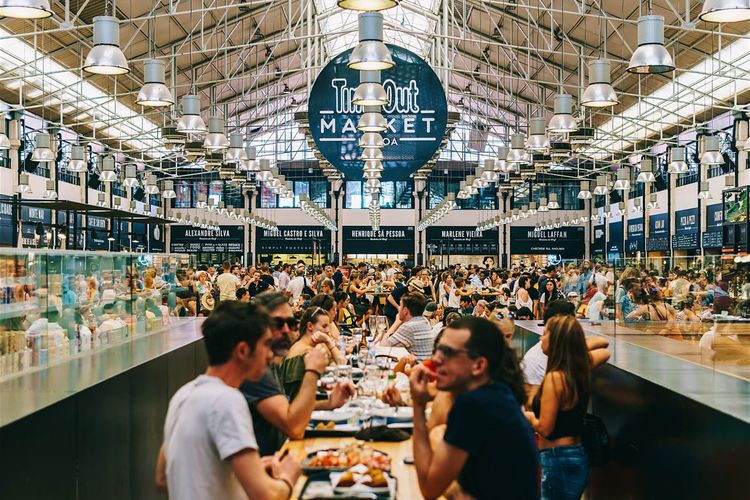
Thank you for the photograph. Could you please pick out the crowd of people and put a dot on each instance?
(270, 333)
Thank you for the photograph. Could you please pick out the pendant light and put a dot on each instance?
(562, 121)
(372, 154)
(372, 120)
(620, 208)
(77, 162)
(489, 173)
(501, 163)
(264, 170)
(131, 180)
(154, 92)
(151, 187)
(599, 93)
(585, 193)
(50, 193)
(4, 141)
(200, 201)
(517, 152)
(725, 11)
(372, 184)
(371, 140)
(168, 191)
(107, 173)
(532, 208)
(602, 185)
(370, 92)
(250, 164)
(553, 204)
(647, 171)
(25, 9)
(372, 174)
(711, 151)
(677, 163)
(543, 205)
(215, 139)
(653, 201)
(371, 53)
(373, 165)
(42, 152)
(623, 179)
(236, 152)
(651, 56)
(367, 5)
(537, 140)
(101, 200)
(23, 184)
(703, 192)
(191, 122)
(105, 57)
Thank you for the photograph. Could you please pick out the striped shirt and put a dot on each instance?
(416, 336)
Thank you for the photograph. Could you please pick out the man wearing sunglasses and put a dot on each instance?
(275, 417)
(488, 447)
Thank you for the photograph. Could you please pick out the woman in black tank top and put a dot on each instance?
(559, 408)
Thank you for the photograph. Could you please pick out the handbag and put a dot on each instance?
(595, 439)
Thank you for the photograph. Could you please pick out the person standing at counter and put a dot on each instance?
(488, 444)
(209, 449)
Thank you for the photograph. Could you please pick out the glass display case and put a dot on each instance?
(55, 305)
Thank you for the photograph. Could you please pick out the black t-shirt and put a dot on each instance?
(255, 288)
(533, 293)
(397, 293)
(267, 278)
(338, 278)
(503, 461)
(270, 439)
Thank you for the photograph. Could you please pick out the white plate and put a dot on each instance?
(360, 488)
(399, 413)
(331, 416)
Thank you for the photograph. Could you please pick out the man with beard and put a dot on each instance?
(274, 417)
(488, 445)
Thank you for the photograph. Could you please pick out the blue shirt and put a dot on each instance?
(626, 305)
(476, 281)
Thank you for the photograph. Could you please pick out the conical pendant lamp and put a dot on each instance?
(371, 53)
(105, 57)
(651, 56)
(154, 92)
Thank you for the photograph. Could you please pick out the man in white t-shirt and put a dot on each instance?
(209, 449)
(227, 283)
(296, 285)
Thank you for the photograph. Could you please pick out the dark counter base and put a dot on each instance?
(101, 443)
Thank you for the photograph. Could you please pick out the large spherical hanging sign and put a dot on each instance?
(417, 115)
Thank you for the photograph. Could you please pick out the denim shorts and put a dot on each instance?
(565, 472)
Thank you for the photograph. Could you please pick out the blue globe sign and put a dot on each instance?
(417, 114)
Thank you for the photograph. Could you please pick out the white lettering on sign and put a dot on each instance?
(6, 209)
(660, 224)
(391, 233)
(687, 220)
(447, 233)
(293, 233)
(546, 234)
(718, 216)
(636, 228)
(206, 233)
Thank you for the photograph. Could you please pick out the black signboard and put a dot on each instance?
(599, 240)
(189, 239)
(686, 227)
(6, 221)
(462, 241)
(567, 242)
(293, 239)
(96, 235)
(614, 245)
(634, 242)
(713, 239)
(714, 215)
(658, 233)
(36, 224)
(156, 238)
(387, 240)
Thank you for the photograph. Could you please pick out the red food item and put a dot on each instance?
(430, 365)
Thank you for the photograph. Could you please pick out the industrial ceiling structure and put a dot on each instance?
(253, 63)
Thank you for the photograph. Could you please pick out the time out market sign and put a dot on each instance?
(417, 114)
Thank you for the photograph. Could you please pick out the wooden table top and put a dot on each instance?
(408, 487)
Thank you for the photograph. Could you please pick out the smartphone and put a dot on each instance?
(409, 460)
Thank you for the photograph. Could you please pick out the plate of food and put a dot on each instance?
(341, 459)
(361, 479)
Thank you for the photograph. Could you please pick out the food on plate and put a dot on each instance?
(350, 455)
(377, 479)
(346, 480)
(320, 426)
(362, 475)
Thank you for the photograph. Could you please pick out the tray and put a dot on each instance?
(314, 470)
(313, 481)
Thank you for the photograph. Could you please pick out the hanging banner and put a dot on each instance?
(96, 235)
(686, 227)
(634, 242)
(598, 246)
(614, 245)
(189, 239)
(292, 239)
(6, 221)
(714, 215)
(156, 238)
(567, 242)
(388, 240)
(462, 241)
(417, 114)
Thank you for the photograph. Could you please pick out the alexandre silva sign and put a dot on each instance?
(417, 115)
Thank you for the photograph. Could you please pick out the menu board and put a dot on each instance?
(658, 233)
(462, 240)
(713, 239)
(189, 239)
(634, 242)
(686, 229)
(96, 233)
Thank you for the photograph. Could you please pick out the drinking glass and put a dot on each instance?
(382, 326)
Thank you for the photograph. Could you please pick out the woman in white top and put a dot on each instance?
(445, 289)
(454, 295)
(523, 299)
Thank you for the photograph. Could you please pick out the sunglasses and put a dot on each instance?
(448, 352)
(278, 323)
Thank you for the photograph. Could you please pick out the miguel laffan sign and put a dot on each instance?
(417, 114)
